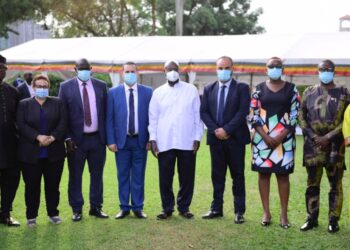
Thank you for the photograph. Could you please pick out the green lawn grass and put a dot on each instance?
(178, 233)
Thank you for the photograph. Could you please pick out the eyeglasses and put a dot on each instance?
(275, 66)
(41, 86)
(325, 69)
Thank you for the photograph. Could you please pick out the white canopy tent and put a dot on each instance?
(196, 54)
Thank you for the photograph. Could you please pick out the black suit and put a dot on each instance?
(9, 170)
(230, 152)
(23, 91)
(33, 165)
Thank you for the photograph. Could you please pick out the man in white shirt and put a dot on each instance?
(175, 132)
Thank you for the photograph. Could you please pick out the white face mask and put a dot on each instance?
(172, 76)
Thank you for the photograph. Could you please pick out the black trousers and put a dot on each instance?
(186, 164)
(228, 154)
(32, 173)
(9, 180)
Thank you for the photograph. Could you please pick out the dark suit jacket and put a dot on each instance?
(23, 91)
(8, 129)
(117, 115)
(235, 113)
(69, 93)
(28, 121)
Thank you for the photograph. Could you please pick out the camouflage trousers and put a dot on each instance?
(335, 195)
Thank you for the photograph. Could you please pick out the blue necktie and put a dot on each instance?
(131, 113)
(221, 106)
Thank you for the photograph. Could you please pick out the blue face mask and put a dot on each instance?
(130, 78)
(274, 73)
(84, 75)
(326, 77)
(224, 75)
(41, 93)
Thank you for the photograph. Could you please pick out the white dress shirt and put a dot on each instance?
(127, 95)
(227, 84)
(30, 89)
(93, 108)
(174, 118)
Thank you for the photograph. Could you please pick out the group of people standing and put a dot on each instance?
(37, 133)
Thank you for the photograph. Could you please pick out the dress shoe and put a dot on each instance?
(9, 221)
(186, 215)
(239, 218)
(164, 215)
(77, 216)
(309, 224)
(97, 212)
(140, 214)
(333, 226)
(31, 223)
(122, 214)
(212, 214)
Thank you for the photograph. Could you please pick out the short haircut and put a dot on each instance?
(330, 62)
(40, 77)
(129, 63)
(274, 58)
(225, 58)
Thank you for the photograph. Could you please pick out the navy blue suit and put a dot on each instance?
(230, 152)
(132, 154)
(90, 147)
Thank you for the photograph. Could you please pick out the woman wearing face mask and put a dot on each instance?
(42, 125)
(321, 118)
(274, 113)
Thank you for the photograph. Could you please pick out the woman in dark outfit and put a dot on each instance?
(274, 113)
(42, 125)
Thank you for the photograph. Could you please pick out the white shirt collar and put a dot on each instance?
(134, 87)
(227, 84)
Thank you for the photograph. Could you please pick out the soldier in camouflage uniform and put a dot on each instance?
(321, 118)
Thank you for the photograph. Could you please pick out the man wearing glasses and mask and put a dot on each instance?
(321, 118)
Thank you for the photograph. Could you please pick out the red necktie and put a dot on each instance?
(86, 103)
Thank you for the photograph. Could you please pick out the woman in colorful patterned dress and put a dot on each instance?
(274, 113)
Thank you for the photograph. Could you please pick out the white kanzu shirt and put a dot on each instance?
(174, 118)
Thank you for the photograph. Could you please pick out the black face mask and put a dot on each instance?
(173, 83)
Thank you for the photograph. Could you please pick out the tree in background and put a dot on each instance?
(17, 10)
(76, 18)
(211, 17)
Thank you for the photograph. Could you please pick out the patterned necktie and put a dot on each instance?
(86, 103)
(131, 113)
(221, 106)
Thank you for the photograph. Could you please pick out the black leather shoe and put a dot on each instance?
(212, 214)
(239, 218)
(333, 226)
(186, 215)
(9, 221)
(140, 214)
(97, 212)
(164, 215)
(309, 224)
(122, 214)
(77, 216)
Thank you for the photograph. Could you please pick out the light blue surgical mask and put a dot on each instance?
(224, 75)
(130, 78)
(84, 75)
(41, 93)
(326, 77)
(274, 73)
